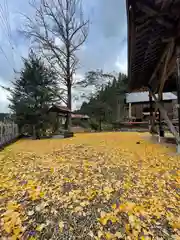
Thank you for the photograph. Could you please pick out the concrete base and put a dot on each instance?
(167, 141)
(58, 136)
(178, 148)
(163, 140)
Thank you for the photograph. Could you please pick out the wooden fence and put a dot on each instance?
(8, 132)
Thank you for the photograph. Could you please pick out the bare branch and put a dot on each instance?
(59, 30)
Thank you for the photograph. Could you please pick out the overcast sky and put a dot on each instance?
(105, 48)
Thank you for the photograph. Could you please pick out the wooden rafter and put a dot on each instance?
(142, 25)
(171, 66)
(164, 71)
(178, 85)
(145, 59)
(165, 4)
(166, 62)
(131, 34)
(158, 65)
(166, 39)
(152, 12)
(170, 69)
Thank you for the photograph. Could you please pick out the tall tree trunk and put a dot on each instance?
(68, 76)
(100, 124)
(34, 131)
(69, 105)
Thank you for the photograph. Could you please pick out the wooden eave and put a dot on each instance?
(153, 33)
(59, 109)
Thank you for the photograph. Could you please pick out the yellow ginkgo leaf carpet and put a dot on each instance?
(93, 186)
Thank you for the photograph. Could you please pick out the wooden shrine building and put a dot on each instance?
(137, 107)
(62, 114)
(154, 54)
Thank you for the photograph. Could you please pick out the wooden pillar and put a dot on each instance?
(151, 112)
(161, 128)
(178, 91)
(130, 111)
(66, 123)
(118, 112)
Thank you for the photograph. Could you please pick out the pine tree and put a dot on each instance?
(32, 93)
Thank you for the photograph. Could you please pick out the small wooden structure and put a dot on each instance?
(60, 110)
(154, 53)
(64, 111)
(61, 113)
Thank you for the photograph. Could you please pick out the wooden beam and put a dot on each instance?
(130, 111)
(161, 130)
(146, 54)
(164, 70)
(131, 40)
(165, 116)
(152, 115)
(170, 69)
(171, 66)
(149, 10)
(164, 22)
(166, 39)
(170, 63)
(173, 33)
(143, 19)
(152, 12)
(178, 83)
(158, 64)
(142, 25)
(165, 4)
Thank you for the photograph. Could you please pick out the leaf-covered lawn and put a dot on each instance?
(93, 186)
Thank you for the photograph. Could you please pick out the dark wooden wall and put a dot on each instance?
(137, 109)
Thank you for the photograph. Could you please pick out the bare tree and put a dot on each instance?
(59, 30)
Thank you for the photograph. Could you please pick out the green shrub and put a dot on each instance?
(80, 123)
(94, 125)
(107, 127)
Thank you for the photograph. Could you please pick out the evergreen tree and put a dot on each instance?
(106, 103)
(32, 93)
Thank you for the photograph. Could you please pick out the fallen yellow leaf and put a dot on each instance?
(61, 226)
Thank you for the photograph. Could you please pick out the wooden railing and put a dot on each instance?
(8, 132)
